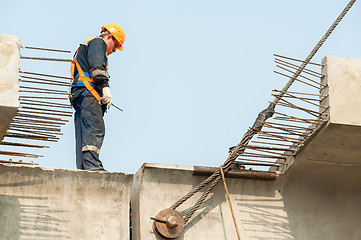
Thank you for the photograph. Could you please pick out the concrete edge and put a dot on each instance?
(49, 169)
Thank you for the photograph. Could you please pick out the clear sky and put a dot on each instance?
(193, 75)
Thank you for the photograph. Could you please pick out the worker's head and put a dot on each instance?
(114, 37)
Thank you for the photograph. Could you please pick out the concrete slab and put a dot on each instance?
(9, 77)
(343, 79)
(338, 140)
(302, 204)
(39, 203)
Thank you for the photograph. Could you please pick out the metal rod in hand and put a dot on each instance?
(117, 107)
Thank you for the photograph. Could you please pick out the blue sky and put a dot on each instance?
(193, 75)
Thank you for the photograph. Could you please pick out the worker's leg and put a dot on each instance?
(92, 131)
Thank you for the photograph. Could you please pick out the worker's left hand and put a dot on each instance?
(107, 97)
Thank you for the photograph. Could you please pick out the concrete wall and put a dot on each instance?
(310, 201)
(38, 203)
(9, 77)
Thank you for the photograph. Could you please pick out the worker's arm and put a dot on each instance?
(98, 62)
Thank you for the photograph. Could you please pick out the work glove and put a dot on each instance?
(107, 97)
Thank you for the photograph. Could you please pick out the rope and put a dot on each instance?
(230, 204)
(239, 149)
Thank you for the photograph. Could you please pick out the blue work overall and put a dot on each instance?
(89, 131)
(89, 123)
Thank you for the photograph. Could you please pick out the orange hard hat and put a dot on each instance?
(117, 32)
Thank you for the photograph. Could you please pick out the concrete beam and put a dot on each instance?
(40, 203)
(302, 205)
(9, 77)
(338, 141)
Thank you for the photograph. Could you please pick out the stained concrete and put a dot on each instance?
(40, 203)
(308, 202)
(9, 77)
(338, 140)
(343, 80)
(320, 203)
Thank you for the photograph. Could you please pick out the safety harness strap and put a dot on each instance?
(86, 81)
(83, 78)
(72, 68)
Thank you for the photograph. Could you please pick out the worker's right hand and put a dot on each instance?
(107, 97)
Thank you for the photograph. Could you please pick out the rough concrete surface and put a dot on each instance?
(314, 202)
(338, 141)
(9, 77)
(343, 79)
(38, 203)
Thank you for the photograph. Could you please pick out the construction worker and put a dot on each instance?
(90, 94)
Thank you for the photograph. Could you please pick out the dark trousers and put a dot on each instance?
(89, 132)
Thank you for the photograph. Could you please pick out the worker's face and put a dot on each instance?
(112, 44)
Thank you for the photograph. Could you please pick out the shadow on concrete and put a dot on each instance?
(266, 219)
(34, 220)
(41, 222)
(10, 215)
(325, 200)
(207, 207)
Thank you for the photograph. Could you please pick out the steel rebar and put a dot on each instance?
(298, 60)
(23, 145)
(41, 117)
(300, 75)
(20, 162)
(35, 132)
(47, 59)
(29, 136)
(45, 109)
(284, 103)
(45, 102)
(296, 79)
(45, 80)
(294, 66)
(44, 112)
(301, 93)
(18, 154)
(261, 161)
(267, 143)
(37, 121)
(40, 97)
(46, 49)
(43, 105)
(34, 127)
(45, 83)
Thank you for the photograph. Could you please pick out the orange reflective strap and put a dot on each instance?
(86, 81)
(72, 68)
(81, 77)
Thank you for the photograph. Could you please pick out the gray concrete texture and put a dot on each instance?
(338, 141)
(317, 203)
(9, 77)
(37, 203)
